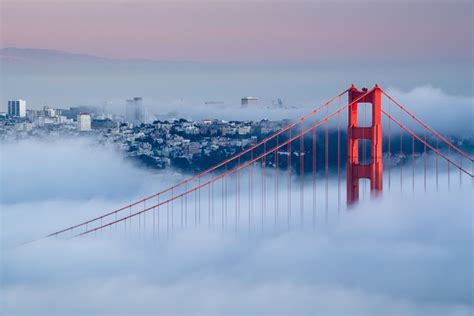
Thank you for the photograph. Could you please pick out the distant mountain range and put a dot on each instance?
(28, 54)
(44, 76)
(58, 78)
(33, 61)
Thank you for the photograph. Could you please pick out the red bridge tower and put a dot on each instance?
(374, 169)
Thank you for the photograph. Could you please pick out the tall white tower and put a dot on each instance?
(135, 112)
(83, 122)
(17, 108)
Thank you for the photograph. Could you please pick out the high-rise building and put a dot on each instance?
(246, 101)
(83, 122)
(17, 108)
(135, 112)
(49, 112)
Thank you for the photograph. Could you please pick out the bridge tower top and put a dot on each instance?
(356, 169)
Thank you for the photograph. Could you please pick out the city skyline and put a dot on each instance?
(236, 157)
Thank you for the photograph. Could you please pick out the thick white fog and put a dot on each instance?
(402, 254)
(445, 112)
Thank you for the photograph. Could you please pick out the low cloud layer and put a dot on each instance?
(446, 113)
(404, 254)
(410, 258)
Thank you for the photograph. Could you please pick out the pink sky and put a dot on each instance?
(243, 30)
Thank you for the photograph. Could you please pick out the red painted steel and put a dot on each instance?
(433, 149)
(355, 169)
(232, 171)
(425, 126)
(211, 169)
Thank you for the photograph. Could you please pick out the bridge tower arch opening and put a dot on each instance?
(356, 169)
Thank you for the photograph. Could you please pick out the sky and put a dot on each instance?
(302, 52)
(403, 254)
(244, 31)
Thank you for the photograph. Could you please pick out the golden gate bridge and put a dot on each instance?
(251, 185)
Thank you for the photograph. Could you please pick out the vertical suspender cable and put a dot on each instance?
(225, 197)
(276, 185)
(302, 178)
(264, 158)
(425, 157)
(250, 193)
(364, 143)
(172, 210)
(327, 167)
(199, 202)
(167, 220)
(338, 162)
(449, 178)
(436, 163)
(236, 199)
(413, 163)
(401, 154)
(196, 208)
(223, 204)
(289, 181)
(389, 155)
(238, 191)
(314, 177)
(209, 206)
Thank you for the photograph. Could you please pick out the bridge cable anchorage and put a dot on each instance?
(247, 163)
(209, 170)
